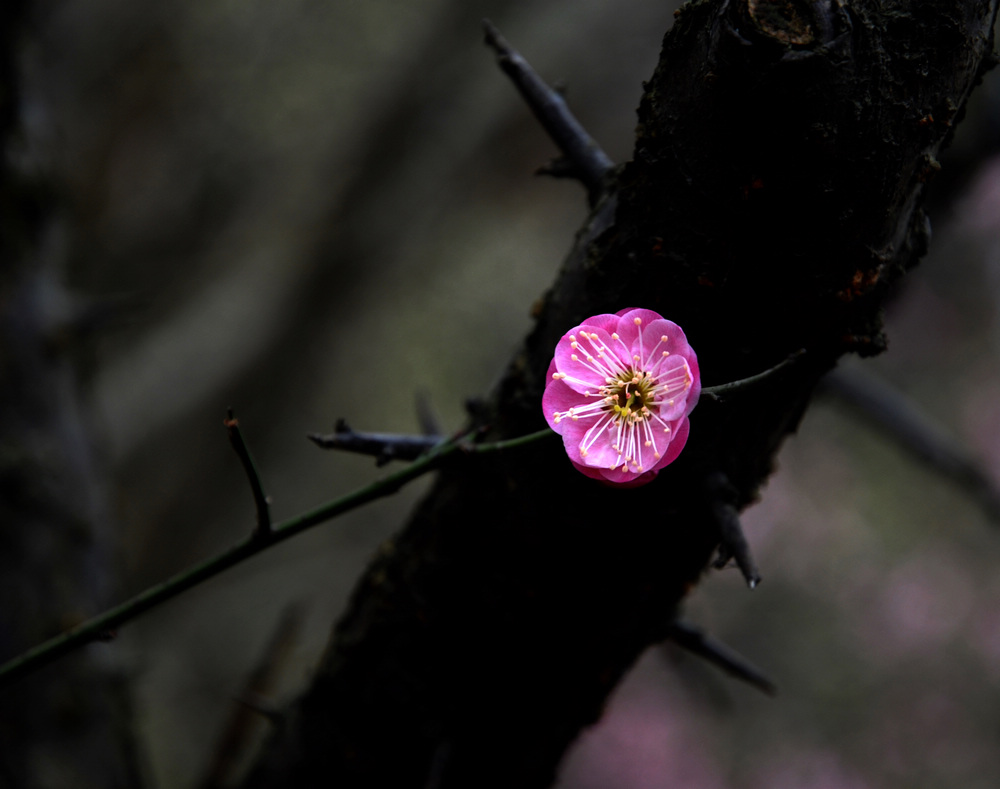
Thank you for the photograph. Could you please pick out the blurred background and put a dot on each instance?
(310, 210)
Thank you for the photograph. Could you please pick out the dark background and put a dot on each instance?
(311, 210)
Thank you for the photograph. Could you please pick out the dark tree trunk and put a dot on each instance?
(775, 195)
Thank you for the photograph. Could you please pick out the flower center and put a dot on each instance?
(628, 395)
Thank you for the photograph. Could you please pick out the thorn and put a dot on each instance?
(699, 643)
(262, 706)
(560, 167)
(428, 420)
(733, 543)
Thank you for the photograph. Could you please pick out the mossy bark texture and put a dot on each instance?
(774, 197)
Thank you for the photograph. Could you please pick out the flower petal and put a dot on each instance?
(586, 358)
(674, 383)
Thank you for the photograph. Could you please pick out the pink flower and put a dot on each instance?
(619, 392)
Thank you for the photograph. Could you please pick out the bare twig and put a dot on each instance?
(383, 446)
(722, 391)
(899, 419)
(582, 157)
(99, 626)
(234, 741)
(260, 500)
(733, 543)
(718, 654)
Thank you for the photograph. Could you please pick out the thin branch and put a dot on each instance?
(237, 734)
(899, 419)
(718, 654)
(733, 543)
(383, 446)
(98, 627)
(260, 500)
(586, 161)
(722, 391)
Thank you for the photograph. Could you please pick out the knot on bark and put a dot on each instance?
(791, 22)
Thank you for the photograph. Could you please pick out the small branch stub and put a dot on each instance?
(260, 499)
(382, 446)
(733, 543)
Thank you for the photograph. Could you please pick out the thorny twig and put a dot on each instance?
(97, 627)
(582, 157)
(715, 652)
(237, 733)
(382, 446)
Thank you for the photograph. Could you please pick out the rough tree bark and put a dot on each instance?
(70, 725)
(774, 197)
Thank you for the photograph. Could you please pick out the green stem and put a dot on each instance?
(263, 538)
(722, 390)
(103, 625)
